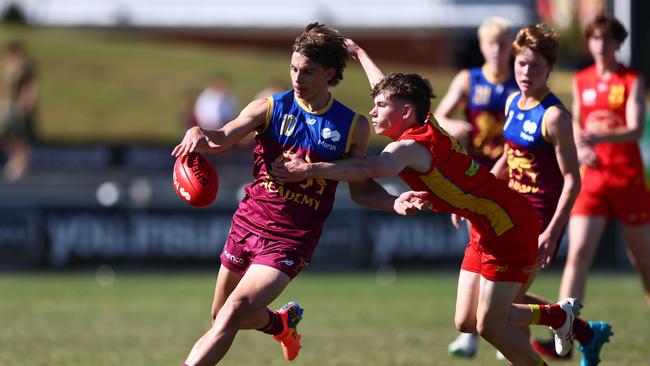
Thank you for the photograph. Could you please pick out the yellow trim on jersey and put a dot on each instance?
(509, 101)
(535, 104)
(269, 113)
(437, 183)
(544, 124)
(318, 112)
(491, 78)
(353, 125)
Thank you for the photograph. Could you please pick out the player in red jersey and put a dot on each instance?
(276, 226)
(501, 253)
(608, 112)
(481, 93)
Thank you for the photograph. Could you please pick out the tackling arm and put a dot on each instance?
(395, 157)
(367, 193)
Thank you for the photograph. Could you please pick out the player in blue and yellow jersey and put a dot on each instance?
(502, 251)
(482, 92)
(540, 159)
(277, 225)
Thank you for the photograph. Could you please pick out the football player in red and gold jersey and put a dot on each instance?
(503, 241)
(608, 112)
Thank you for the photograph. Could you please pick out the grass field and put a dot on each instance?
(66, 319)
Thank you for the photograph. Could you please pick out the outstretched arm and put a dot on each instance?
(373, 72)
(367, 193)
(252, 117)
(395, 157)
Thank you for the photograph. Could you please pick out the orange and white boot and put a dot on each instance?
(289, 338)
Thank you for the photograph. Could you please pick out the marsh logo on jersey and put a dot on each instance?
(328, 134)
(530, 127)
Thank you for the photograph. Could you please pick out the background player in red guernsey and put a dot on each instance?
(482, 93)
(277, 225)
(503, 246)
(608, 112)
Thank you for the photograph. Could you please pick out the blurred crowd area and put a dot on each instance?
(87, 166)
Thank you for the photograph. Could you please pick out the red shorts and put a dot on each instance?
(244, 248)
(509, 257)
(630, 203)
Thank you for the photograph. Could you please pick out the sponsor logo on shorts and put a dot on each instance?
(288, 262)
(233, 258)
(502, 269)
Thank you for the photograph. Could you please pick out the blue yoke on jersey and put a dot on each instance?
(533, 169)
(294, 212)
(484, 111)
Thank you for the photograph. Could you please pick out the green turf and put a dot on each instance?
(153, 319)
(109, 86)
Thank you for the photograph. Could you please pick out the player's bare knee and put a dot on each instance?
(234, 311)
(465, 325)
(490, 329)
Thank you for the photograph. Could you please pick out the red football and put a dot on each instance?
(195, 179)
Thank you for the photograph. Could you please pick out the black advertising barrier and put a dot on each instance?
(352, 239)
(21, 237)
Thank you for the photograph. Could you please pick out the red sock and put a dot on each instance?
(274, 326)
(551, 315)
(583, 333)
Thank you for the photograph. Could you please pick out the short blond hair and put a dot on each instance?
(493, 28)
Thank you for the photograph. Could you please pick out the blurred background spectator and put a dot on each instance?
(273, 86)
(216, 105)
(20, 93)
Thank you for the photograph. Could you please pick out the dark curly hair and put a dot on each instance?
(324, 46)
(411, 88)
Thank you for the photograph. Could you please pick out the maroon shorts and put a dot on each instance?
(244, 248)
(509, 257)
